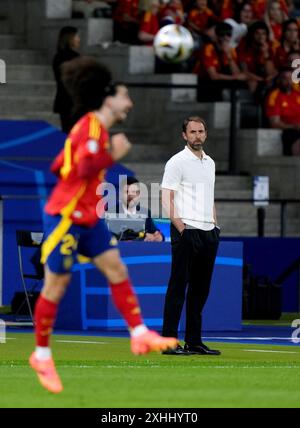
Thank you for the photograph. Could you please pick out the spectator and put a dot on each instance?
(228, 8)
(274, 18)
(289, 42)
(172, 12)
(244, 14)
(126, 21)
(200, 19)
(256, 57)
(144, 5)
(130, 207)
(219, 60)
(283, 110)
(216, 7)
(260, 6)
(149, 24)
(67, 49)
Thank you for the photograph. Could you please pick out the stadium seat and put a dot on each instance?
(33, 240)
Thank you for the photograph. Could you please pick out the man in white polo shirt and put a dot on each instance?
(188, 199)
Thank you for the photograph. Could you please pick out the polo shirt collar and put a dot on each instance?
(191, 155)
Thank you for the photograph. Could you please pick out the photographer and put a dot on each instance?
(129, 208)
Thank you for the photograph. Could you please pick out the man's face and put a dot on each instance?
(131, 195)
(120, 103)
(260, 36)
(195, 135)
(155, 7)
(275, 11)
(201, 4)
(291, 34)
(246, 14)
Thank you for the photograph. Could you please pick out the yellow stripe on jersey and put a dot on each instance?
(62, 228)
(68, 209)
(95, 129)
(67, 166)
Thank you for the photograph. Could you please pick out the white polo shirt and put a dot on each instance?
(193, 182)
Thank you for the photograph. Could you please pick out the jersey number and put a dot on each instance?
(69, 245)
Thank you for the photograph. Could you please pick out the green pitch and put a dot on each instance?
(103, 373)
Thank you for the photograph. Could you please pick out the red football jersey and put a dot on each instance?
(227, 9)
(210, 57)
(202, 20)
(253, 57)
(126, 7)
(81, 168)
(150, 24)
(284, 105)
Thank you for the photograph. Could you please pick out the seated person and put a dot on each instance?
(200, 19)
(149, 26)
(218, 61)
(274, 18)
(256, 57)
(283, 110)
(172, 12)
(260, 7)
(126, 21)
(289, 43)
(129, 208)
(228, 8)
(244, 13)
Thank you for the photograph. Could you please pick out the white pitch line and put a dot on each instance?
(82, 341)
(197, 367)
(249, 338)
(190, 367)
(269, 351)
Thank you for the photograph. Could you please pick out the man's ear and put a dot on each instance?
(184, 136)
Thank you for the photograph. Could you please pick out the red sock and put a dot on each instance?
(127, 303)
(44, 316)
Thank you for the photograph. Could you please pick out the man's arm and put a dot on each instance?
(153, 234)
(277, 123)
(215, 216)
(170, 209)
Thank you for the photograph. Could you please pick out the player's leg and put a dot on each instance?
(57, 253)
(125, 299)
(45, 315)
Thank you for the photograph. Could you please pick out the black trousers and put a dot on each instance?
(193, 259)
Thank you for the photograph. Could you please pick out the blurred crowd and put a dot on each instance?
(252, 43)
